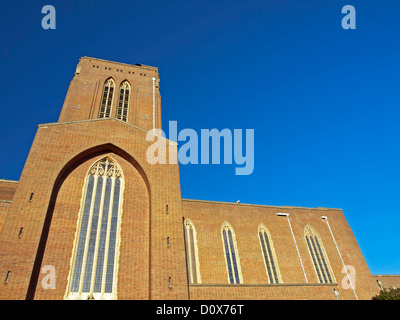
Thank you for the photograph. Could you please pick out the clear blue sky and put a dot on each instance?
(324, 102)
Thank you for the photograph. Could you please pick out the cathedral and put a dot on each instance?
(91, 218)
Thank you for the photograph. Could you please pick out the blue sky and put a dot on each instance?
(323, 101)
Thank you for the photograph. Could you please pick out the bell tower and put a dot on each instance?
(106, 89)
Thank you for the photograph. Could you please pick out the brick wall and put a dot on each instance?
(208, 218)
(56, 161)
(7, 189)
(263, 292)
(387, 280)
(84, 95)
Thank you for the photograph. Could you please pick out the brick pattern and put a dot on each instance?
(4, 207)
(282, 292)
(134, 249)
(7, 189)
(85, 92)
(208, 218)
(388, 280)
(47, 171)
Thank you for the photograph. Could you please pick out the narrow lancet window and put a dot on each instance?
(231, 254)
(107, 99)
(123, 101)
(93, 271)
(318, 255)
(268, 252)
(192, 258)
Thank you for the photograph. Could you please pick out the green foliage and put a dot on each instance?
(391, 294)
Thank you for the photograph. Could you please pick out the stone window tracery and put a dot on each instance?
(318, 255)
(268, 251)
(231, 254)
(123, 101)
(192, 258)
(94, 263)
(107, 99)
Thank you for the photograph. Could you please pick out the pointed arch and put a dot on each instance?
(93, 271)
(107, 98)
(123, 101)
(268, 252)
(231, 254)
(192, 256)
(66, 169)
(318, 255)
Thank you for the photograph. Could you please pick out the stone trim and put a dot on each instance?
(258, 205)
(45, 125)
(264, 285)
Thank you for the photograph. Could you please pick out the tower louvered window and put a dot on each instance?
(107, 99)
(231, 254)
(267, 248)
(123, 101)
(192, 259)
(318, 255)
(95, 256)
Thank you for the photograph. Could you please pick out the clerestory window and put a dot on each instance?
(231, 254)
(268, 252)
(318, 255)
(192, 258)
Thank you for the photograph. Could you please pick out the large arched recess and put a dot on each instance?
(72, 164)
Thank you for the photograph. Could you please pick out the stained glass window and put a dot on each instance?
(95, 253)
(123, 101)
(318, 255)
(107, 99)
(192, 260)
(231, 254)
(268, 252)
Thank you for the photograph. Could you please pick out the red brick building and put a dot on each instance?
(91, 218)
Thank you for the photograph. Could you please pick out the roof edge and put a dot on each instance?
(8, 181)
(122, 63)
(259, 205)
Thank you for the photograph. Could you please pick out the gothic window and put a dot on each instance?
(318, 255)
(94, 269)
(107, 99)
(268, 252)
(231, 254)
(123, 101)
(192, 259)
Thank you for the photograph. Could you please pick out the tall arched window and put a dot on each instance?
(107, 99)
(268, 251)
(318, 255)
(123, 101)
(231, 254)
(94, 262)
(192, 257)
